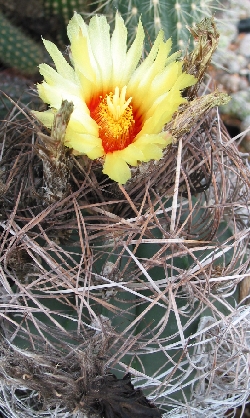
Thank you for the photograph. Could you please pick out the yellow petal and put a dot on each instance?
(154, 80)
(164, 81)
(163, 51)
(152, 145)
(146, 148)
(173, 57)
(82, 57)
(148, 93)
(100, 44)
(116, 168)
(168, 77)
(162, 110)
(141, 72)
(75, 25)
(46, 117)
(54, 79)
(53, 95)
(151, 152)
(118, 50)
(131, 154)
(185, 80)
(84, 144)
(133, 55)
(161, 139)
(62, 66)
(50, 95)
(85, 124)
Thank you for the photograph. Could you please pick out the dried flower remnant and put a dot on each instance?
(56, 165)
(206, 39)
(120, 106)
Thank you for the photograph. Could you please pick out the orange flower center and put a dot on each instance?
(115, 118)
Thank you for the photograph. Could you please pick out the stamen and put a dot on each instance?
(118, 126)
(117, 104)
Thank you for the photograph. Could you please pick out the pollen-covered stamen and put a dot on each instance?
(114, 116)
(118, 105)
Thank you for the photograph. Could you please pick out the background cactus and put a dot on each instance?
(17, 50)
(172, 16)
(63, 11)
(22, 26)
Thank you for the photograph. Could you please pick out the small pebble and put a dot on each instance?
(244, 47)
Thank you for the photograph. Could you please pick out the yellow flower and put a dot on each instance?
(120, 106)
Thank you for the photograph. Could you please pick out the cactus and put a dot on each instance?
(172, 16)
(100, 279)
(17, 49)
(63, 11)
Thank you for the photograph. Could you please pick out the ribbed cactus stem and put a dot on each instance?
(17, 50)
(63, 10)
(172, 16)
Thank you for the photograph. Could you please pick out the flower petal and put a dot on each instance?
(100, 44)
(50, 95)
(54, 95)
(118, 50)
(81, 57)
(133, 55)
(116, 168)
(185, 80)
(84, 144)
(165, 80)
(83, 125)
(54, 79)
(162, 111)
(131, 154)
(141, 71)
(62, 66)
(46, 117)
(152, 145)
(153, 88)
(162, 139)
(151, 152)
(81, 52)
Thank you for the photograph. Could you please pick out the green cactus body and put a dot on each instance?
(63, 10)
(17, 49)
(171, 16)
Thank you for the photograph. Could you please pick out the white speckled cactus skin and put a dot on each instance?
(172, 16)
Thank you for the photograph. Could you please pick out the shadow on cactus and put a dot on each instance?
(113, 265)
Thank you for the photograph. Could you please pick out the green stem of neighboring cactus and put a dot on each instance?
(173, 16)
(17, 50)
